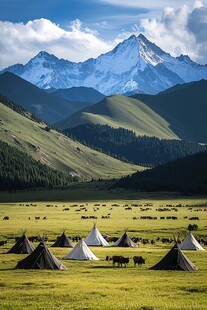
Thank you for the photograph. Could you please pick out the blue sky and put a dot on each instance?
(79, 29)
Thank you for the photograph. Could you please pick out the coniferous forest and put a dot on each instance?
(125, 145)
(186, 175)
(19, 171)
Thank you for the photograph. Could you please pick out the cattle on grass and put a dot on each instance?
(138, 260)
(120, 260)
(2, 243)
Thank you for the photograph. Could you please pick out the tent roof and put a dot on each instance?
(95, 238)
(63, 241)
(125, 241)
(81, 252)
(41, 258)
(175, 260)
(22, 246)
(190, 243)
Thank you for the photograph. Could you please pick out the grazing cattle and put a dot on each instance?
(139, 260)
(108, 258)
(145, 241)
(45, 218)
(120, 260)
(37, 217)
(2, 243)
(6, 218)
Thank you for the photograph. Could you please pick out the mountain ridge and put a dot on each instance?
(134, 65)
(44, 105)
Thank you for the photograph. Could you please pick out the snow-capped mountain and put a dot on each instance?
(134, 66)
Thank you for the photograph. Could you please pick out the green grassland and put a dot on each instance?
(56, 150)
(119, 111)
(99, 285)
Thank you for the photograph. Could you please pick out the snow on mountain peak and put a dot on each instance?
(134, 65)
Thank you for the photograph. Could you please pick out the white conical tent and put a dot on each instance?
(81, 252)
(190, 243)
(95, 238)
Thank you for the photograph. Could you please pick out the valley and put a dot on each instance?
(103, 155)
(143, 288)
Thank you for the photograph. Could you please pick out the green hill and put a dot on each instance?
(184, 107)
(56, 150)
(187, 175)
(119, 111)
(44, 105)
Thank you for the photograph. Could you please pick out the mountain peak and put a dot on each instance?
(142, 37)
(134, 65)
(185, 58)
(45, 55)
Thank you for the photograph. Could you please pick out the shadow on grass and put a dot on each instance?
(103, 267)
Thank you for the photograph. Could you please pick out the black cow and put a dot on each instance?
(2, 243)
(139, 260)
(120, 260)
(6, 218)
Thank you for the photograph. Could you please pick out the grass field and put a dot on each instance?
(99, 285)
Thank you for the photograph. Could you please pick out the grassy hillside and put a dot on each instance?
(56, 150)
(119, 111)
(46, 106)
(187, 175)
(184, 107)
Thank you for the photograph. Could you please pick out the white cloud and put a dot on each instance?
(19, 42)
(180, 31)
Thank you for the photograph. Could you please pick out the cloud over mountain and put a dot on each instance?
(180, 31)
(20, 42)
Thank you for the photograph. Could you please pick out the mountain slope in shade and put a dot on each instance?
(46, 106)
(119, 111)
(80, 94)
(184, 107)
(56, 150)
(187, 175)
(135, 65)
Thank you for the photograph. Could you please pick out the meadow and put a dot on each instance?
(99, 285)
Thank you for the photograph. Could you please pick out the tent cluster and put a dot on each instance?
(42, 258)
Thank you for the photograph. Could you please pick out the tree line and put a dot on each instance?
(20, 171)
(186, 175)
(125, 145)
